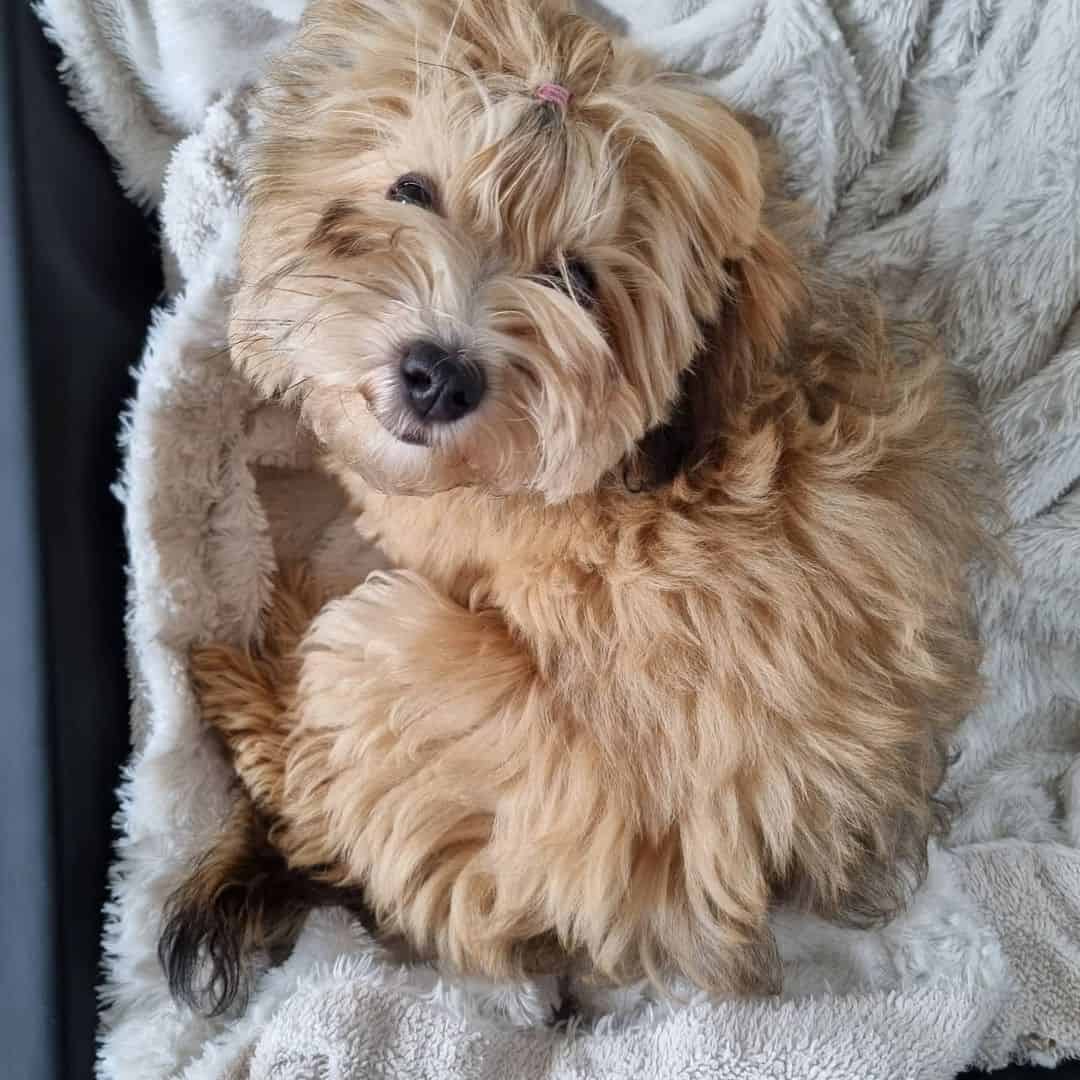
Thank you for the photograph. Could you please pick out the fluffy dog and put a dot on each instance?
(680, 622)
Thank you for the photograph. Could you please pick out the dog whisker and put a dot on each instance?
(299, 382)
(443, 67)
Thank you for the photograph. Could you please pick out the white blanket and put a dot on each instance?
(940, 140)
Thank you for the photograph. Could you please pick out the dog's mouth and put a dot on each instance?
(409, 434)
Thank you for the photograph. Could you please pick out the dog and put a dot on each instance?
(679, 623)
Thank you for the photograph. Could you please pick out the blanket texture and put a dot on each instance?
(940, 142)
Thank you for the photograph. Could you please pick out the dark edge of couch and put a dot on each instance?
(79, 274)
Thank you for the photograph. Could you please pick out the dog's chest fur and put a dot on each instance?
(545, 567)
(636, 600)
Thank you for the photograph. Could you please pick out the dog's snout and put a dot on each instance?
(440, 386)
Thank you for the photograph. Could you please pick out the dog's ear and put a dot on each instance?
(688, 439)
(741, 347)
(742, 281)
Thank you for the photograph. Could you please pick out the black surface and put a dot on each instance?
(88, 275)
(28, 1017)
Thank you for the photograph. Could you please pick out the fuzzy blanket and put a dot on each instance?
(940, 141)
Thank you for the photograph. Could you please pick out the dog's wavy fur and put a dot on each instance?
(680, 625)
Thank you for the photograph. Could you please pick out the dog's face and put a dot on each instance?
(485, 242)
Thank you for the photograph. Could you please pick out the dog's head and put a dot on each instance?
(488, 245)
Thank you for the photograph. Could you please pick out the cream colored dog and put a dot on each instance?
(680, 623)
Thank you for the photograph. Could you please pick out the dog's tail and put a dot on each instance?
(242, 898)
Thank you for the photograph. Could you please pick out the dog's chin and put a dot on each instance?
(394, 456)
(397, 460)
(401, 428)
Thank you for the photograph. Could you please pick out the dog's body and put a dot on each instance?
(680, 624)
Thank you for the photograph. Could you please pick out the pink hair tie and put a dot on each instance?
(553, 93)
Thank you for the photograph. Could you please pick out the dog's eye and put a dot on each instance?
(414, 189)
(575, 278)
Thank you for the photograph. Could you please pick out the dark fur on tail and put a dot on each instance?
(240, 900)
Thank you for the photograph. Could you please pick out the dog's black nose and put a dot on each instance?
(440, 386)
